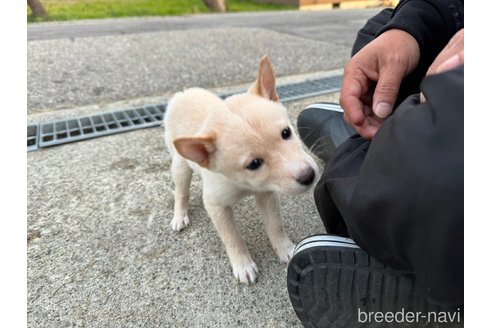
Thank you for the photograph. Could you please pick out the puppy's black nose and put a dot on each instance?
(306, 177)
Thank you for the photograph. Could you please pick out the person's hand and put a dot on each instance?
(450, 57)
(372, 79)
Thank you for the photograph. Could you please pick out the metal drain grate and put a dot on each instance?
(81, 128)
(309, 88)
(32, 137)
(98, 125)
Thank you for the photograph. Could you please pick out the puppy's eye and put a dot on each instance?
(286, 133)
(255, 164)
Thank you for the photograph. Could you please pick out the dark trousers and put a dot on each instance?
(400, 196)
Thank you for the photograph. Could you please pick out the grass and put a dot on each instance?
(61, 10)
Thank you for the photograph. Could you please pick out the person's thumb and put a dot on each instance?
(386, 92)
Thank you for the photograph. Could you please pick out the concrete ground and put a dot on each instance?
(100, 249)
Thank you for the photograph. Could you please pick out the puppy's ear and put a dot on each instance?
(264, 85)
(196, 149)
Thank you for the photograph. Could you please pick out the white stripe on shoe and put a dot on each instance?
(324, 244)
(324, 240)
(332, 107)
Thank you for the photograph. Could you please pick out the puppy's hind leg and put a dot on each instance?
(181, 173)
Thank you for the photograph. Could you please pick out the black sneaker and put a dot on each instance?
(334, 283)
(322, 128)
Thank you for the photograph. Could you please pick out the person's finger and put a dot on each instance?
(452, 62)
(350, 100)
(387, 90)
(369, 128)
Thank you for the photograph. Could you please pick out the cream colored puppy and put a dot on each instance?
(244, 145)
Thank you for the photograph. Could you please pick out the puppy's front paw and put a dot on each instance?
(286, 252)
(179, 223)
(245, 273)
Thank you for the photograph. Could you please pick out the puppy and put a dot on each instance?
(241, 146)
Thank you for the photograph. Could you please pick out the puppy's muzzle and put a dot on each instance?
(306, 177)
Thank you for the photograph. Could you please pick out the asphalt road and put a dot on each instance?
(104, 61)
(334, 26)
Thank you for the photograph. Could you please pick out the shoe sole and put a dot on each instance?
(331, 281)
